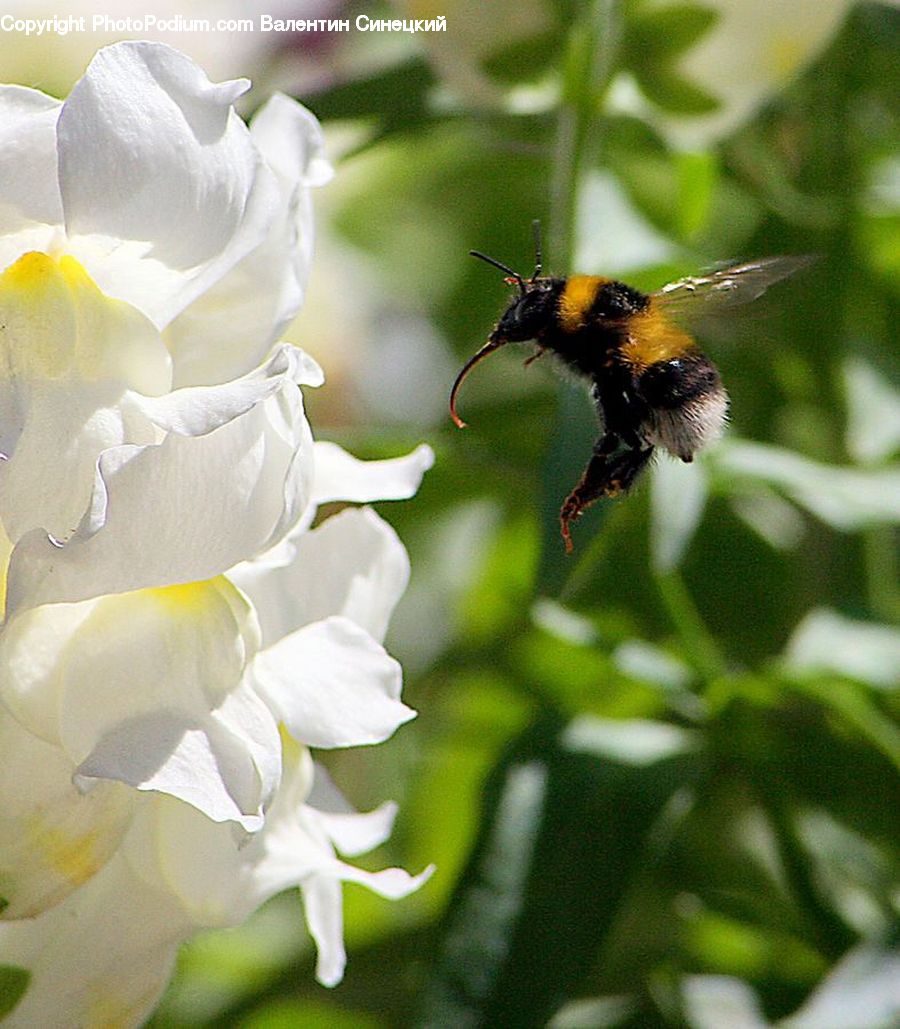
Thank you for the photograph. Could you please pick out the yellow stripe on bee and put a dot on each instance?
(576, 299)
(653, 338)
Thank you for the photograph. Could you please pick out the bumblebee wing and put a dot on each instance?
(701, 295)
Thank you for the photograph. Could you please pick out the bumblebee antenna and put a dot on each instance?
(515, 276)
(538, 254)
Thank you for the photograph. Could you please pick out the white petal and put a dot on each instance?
(197, 410)
(391, 883)
(332, 685)
(360, 832)
(101, 958)
(290, 139)
(712, 1001)
(32, 649)
(230, 327)
(826, 642)
(323, 907)
(340, 476)
(873, 413)
(353, 565)
(175, 170)
(771, 43)
(846, 498)
(70, 354)
(28, 158)
(152, 152)
(182, 511)
(219, 877)
(180, 648)
(350, 831)
(52, 838)
(219, 882)
(217, 767)
(861, 991)
(146, 689)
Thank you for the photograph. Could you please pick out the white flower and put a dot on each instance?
(145, 725)
(176, 634)
(751, 52)
(231, 326)
(143, 689)
(102, 957)
(55, 59)
(148, 177)
(218, 884)
(230, 476)
(145, 185)
(177, 691)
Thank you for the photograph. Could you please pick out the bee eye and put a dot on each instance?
(531, 304)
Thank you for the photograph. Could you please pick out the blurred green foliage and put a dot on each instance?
(658, 778)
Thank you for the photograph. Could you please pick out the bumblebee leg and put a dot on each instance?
(626, 467)
(538, 353)
(595, 483)
(605, 476)
(606, 444)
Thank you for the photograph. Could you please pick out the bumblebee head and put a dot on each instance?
(528, 314)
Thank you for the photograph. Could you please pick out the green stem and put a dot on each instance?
(588, 67)
(830, 933)
(588, 64)
(880, 557)
(699, 643)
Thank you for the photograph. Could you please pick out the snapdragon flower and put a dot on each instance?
(177, 635)
(749, 54)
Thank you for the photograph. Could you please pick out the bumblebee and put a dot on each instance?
(651, 384)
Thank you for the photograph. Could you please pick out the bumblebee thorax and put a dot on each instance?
(593, 298)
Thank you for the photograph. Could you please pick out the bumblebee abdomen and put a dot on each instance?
(652, 339)
(678, 380)
(686, 401)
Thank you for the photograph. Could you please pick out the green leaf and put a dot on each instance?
(856, 707)
(285, 1013)
(663, 33)
(677, 501)
(826, 642)
(698, 176)
(845, 498)
(503, 588)
(13, 984)
(395, 98)
(673, 92)
(774, 519)
(647, 171)
(736, 946)
(571, 816)
(861, 989)
(711, 1000)
(855, 876)
(873, 412)
(523, 60)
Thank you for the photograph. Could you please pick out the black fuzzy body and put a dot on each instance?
(594, 327)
